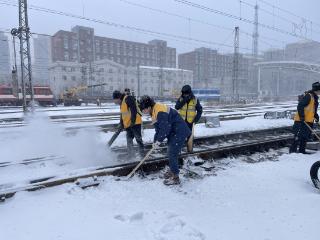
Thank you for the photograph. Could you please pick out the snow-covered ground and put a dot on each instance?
(87, 148)
(227, 127)
(112, 108)
(268, 200)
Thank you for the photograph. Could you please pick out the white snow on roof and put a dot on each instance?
(168, 69)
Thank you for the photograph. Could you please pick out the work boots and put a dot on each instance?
(173, 180)
(168, 174)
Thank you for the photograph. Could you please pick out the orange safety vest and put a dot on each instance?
(126, 114)
(308, 111)
(158, 107)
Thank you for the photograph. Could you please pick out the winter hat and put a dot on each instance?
(316, 86)
(186, 89)
(145, 102)
(116, 94)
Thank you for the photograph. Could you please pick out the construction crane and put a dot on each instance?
(70, 96)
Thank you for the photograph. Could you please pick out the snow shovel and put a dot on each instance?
(140, 163)
(190, 140)
(314, 132)
(114, 136)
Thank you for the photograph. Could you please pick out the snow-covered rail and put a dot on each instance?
(205, 148)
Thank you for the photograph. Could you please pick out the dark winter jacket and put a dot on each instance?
(170, 125)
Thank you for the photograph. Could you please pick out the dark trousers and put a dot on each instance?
(301, 135)
(134, 132)
(189, 125)
(174, 148)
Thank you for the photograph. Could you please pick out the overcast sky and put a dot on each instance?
(118, 11)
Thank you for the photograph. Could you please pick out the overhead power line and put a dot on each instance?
(225, 14)
(294, 24)
(118, 25)
(289, 12)
(187, 18)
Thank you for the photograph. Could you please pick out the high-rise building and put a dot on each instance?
(81, 45)
(5, 69)
(64, 46)
(214, 70)
(42, 59)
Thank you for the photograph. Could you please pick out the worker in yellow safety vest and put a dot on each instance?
(130, 119)
(189, 106)
(306, 115)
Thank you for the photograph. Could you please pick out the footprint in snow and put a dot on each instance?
(133, 218)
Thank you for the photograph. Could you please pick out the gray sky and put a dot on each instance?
(123, 13)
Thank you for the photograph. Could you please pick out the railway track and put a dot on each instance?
(107, 116)
(206, 148)
(216, 140)
(115, 118)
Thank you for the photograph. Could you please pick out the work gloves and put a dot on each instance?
(188, 98)
(156, 145)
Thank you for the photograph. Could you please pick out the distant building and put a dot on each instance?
(64, 47)
(42, 59)
(308, 51)
(5, 66)
(64, 75)
(274, 55)
(153, 81)
(162, 82)
(214, 70)
(81, 45)
(280, 81)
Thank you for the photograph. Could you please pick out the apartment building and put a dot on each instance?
(82, 45)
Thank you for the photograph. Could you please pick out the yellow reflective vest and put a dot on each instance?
(308, 111)
(126, 114)
(188, 112)
(158, 107)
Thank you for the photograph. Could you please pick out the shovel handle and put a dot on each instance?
(314, 132)
(140, 163)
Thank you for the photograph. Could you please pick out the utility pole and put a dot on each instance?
(255, 36)
(161, 70)
(90, 77)
(138, 78)
(23, 33)
(199, 69)
(255, 50)
(15, 82)
(235, 71)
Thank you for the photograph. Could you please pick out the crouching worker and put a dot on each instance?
(306, 114)
(130, 119)
(168, 124)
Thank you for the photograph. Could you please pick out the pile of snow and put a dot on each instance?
(42, 138)
(268, 200)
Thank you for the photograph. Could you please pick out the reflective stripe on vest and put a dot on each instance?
(126, 114)
(158, 107)
(188, 111)
(308, 111)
